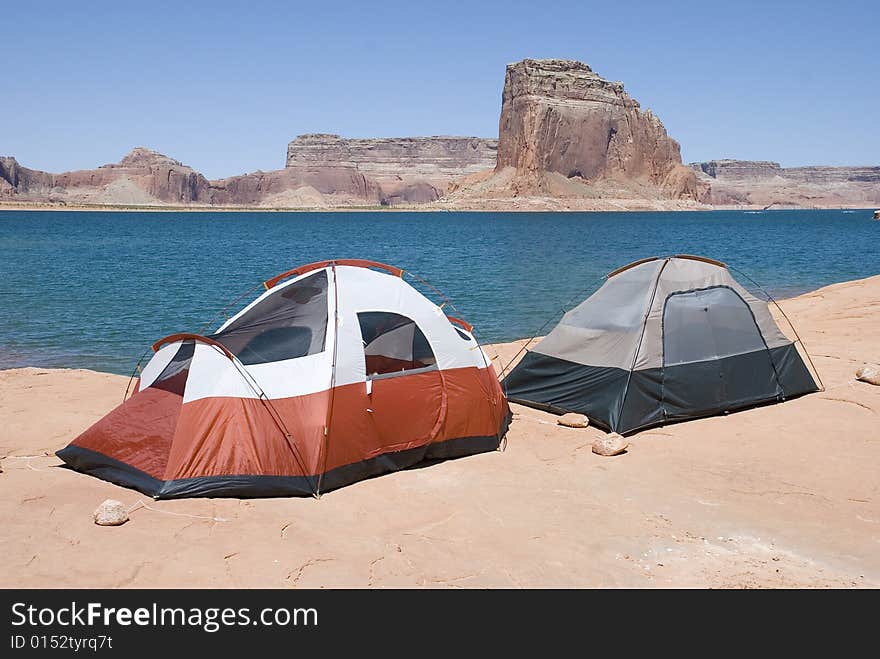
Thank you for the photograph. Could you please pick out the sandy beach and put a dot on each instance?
(779, 496)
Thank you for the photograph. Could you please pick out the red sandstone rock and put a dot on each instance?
(764, 183)
(559, 116)
(407, 169)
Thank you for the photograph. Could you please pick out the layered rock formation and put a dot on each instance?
(322, 170)
(737, 170)
(568, 139)
(407, 169)
(141, 177)
(15, 179)
(145, 177)
(765, 184)
(296, 187)
(558, 116)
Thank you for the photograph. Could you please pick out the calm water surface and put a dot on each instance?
(94, 289)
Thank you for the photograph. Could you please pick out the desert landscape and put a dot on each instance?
(568, 140)
(779, 496)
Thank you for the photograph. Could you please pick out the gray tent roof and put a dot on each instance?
(621, 325)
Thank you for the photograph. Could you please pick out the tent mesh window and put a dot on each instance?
(708, 324)
(393, 343)
(173, 376)
(288, 324)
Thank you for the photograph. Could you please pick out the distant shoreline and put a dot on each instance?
(614, 206)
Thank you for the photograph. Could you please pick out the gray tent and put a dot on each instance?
(662, 340)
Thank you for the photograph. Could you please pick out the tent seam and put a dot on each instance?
(639, 346)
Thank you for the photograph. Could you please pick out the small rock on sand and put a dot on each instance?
(572, 420)
(611, 444)
(111, 513)
(869, 373)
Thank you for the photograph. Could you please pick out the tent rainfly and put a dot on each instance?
(340, 373)
(662, 340)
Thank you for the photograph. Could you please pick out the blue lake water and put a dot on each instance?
(95, 289)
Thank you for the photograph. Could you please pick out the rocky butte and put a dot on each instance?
(566, 132)
(560, 116)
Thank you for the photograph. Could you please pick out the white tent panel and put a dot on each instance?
(157, 364)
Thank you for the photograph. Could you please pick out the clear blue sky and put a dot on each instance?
(224, 86)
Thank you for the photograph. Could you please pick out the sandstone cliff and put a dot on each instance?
(295, 187)
(407, 169)
(15, 179)
(142, 177)
(322, 170)
(764, 183)
(738, 170)
(558, 116)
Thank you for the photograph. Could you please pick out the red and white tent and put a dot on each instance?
(340, 371)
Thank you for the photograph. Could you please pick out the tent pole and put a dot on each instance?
(641, 339)
(133, 372)
(790, 324)
(496, 421)
(329, 417)
(446, 301)
(226, 308)
(273, 412)
(550, 320)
